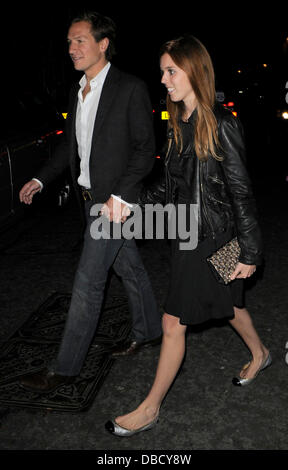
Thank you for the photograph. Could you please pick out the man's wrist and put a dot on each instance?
(121, 200)
(40, 182)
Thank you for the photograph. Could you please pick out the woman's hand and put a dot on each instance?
(242, 271)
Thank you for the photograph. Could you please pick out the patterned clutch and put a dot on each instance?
(224, 260)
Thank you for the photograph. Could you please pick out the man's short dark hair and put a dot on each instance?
(101, 27)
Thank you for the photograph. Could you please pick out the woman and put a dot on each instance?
(204, 166)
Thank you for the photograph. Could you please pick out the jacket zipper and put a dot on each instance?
(168, 176)
(216, 200)
(203, 203)
(217, 180)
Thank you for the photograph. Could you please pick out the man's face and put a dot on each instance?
(87, 55)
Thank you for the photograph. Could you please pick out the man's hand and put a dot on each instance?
(242, 271)
(27, 192)
(115, 210)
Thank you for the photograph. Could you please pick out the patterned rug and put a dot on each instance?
(36, 344)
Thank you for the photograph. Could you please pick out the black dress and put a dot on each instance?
(194, 295)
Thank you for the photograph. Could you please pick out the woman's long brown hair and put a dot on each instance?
(190, 55)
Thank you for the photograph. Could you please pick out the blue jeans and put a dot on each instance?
(88, 291)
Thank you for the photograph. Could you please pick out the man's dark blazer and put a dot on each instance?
(122, 150)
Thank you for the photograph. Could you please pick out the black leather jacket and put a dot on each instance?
(222, 189)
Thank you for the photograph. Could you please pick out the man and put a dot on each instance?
(109, 145)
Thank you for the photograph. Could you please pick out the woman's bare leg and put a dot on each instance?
(171, 357)
(244, 326)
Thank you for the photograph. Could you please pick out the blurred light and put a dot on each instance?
(240, 91)
(49, 134)
(153, 110)
(235, 113)
(231, 104)
(239, 71)
(265, 65)
(164, 115)
(285, 115)
(64, 115)
(157, 156)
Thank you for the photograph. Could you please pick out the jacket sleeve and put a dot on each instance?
(154, 192)
(240, 191)
(142, 154)
(59, 161)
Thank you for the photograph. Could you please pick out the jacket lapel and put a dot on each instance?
(73, 142)
(109, 92)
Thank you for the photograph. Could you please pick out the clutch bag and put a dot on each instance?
(224, 260)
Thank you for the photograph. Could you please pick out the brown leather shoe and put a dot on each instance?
(44, 381)
(127, 349)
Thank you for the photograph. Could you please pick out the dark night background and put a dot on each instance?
(39, 244)
(36, 59)
(37, 72)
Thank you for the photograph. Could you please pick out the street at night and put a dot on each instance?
(40, 245)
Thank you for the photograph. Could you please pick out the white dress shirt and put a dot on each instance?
(85, 119)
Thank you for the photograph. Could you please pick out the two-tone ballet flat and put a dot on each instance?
(239, 381)
(117, 430)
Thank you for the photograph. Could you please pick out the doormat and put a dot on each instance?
(34, 346)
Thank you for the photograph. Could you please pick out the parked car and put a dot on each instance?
(31, 128)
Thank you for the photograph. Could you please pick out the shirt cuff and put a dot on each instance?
(121, 200)
(40, 182)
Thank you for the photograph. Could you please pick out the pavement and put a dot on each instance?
(203, 411)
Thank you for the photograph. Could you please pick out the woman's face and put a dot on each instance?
(177, 82)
